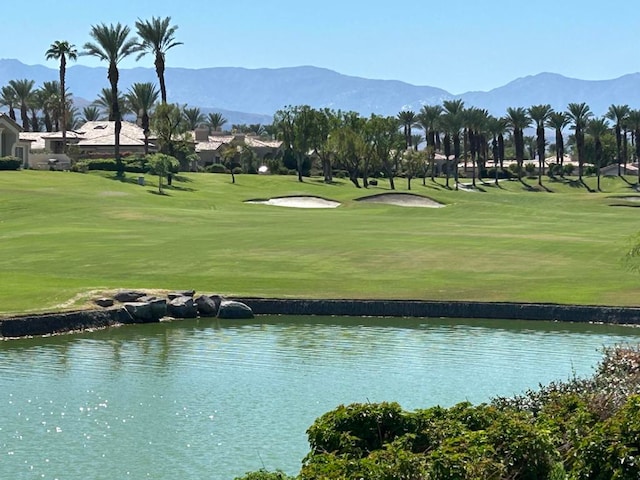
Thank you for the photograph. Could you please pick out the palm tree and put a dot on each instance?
(91, 113)
(112, 44)
(540, 114)
(497, 127)
(8, 99)
(105, 103)
(157, 38)
(23, 89)
(579, 114)
(633, 122)
(193, 117)
(453, 109)
(63, 51)
(215, 121)
(51, 105)
(142, 97)
(618, 113)
(597, 128)
(408, 119)
(558, 121)
(518, 120)
(476, 123)
(428, 119)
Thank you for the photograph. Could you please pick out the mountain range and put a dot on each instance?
(253, 95)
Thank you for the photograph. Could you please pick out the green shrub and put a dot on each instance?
(107, 164)
(136, 164)
(237, 170)
(10, 163)
(80, 167)
(590, 170)
(568, 168)
(263, 474)
(216, 168)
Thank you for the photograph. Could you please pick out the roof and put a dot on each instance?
(103, 133)
(6, 118)
(214, 142)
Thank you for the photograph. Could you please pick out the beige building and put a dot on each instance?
(11, 142)
(209, 146)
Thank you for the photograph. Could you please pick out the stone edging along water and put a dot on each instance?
(45, 324)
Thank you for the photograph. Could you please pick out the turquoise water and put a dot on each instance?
(211, 399)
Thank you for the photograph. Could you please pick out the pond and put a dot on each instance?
(214, 399)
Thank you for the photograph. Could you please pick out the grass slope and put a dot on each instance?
(62, 234)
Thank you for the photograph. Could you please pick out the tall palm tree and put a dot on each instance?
(579, 114)
(112, 44)
(454, 111)
(8, 99)
(428, 119)
(476, 126)
(497, 127)
(63, 51)
(618, 113)
(215, 121)
(518, 119)
(597, 128)
(633, 122)
(540, 114)
(157, 36)
(142, 97)
(558, 121)
(23, 89)
(193, 117)
(408, 119)
(49, 94)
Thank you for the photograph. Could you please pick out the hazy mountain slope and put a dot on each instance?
(252, 96)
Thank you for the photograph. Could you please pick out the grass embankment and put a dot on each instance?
(62, 234)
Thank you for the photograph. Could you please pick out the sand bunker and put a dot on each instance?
(629, 199)
(402, 200)
(298, 202)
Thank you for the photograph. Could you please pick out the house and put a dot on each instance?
(99, 137)
(209, 146)
(11, 144)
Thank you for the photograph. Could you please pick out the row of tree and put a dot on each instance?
(363, 145)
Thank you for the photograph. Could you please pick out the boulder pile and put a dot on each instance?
(143, 307)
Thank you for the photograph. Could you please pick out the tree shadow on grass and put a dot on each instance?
(156, 192)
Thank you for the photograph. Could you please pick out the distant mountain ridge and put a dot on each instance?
(253, 95)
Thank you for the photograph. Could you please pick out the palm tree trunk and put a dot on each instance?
(63, 100)
(160, 72)
(115, 109)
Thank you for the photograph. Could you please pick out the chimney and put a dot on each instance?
(202, 134)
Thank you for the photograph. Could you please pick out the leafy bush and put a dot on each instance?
(107, 164)
(10, 163)
(530, 168)
(263, 474)
(136, 164)
(590, 170)
(216, 168)
(80, 167)
(568, 168)
(237, 170)
(502, 173)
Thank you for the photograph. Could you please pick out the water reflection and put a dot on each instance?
(212, 399)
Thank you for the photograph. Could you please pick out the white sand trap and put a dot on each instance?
(629, 199)
(402, 200)
(298, 202)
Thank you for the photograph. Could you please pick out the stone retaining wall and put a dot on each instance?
(418, 308)
(45, 324)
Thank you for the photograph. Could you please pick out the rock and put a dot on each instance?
(235, 310)
(181, 293)
(182, 307)
(126, 296)
(104, 302)
(141, 312)
(207, 305)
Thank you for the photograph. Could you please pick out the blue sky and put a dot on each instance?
(458, 45)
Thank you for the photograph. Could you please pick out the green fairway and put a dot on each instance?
(62, 234)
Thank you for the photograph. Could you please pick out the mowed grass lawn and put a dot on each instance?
(63, 234)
